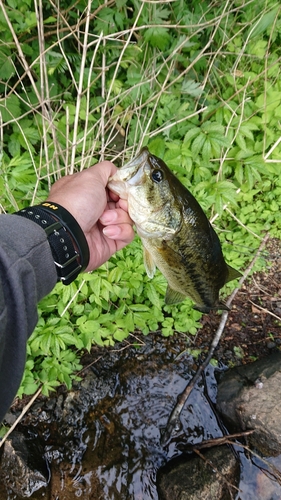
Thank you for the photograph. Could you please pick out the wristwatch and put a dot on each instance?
(67, 241)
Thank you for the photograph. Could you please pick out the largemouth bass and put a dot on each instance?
(176, 234)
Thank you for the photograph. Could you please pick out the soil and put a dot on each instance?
(252, 331)
(253, 328)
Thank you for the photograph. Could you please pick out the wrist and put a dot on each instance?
(67, 241)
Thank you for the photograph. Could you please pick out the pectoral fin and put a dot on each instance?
(149, 264)
(173, 297)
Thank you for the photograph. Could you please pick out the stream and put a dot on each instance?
(102, 440)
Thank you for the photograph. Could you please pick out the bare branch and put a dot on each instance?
(175, 415)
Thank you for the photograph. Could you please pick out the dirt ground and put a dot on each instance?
(252, 331)
(253, 327)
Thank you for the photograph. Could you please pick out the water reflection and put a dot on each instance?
(103, 440)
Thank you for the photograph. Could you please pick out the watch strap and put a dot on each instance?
(67, 241)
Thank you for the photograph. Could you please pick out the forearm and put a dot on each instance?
(27, 273)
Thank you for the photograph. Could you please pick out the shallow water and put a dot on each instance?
(103, 440)
(123, 432)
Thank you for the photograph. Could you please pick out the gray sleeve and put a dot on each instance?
(27, 274)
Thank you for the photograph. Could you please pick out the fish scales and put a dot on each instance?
(175, 232)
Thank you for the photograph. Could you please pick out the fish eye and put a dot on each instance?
(157, 175)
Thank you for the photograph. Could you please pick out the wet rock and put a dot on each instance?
(249, 397)
(196, 479)
(23, 469)
(271, 345)
(102, 439)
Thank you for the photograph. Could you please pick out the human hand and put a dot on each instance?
(102, 216)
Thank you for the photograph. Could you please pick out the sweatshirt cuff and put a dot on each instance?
(28, 241)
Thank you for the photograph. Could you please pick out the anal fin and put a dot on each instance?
(173, 297)
(232, 274)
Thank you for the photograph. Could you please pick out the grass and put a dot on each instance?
(97, 81)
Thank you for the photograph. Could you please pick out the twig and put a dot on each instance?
(107, 100)
(161, 129)
(276, 472)
(73, 298)
(265, 310)
(88, 366)
(221, 440)
(24, 411)
(182, 398)
(217, 471)
(20, 51)
(241, 223)
(80, 88)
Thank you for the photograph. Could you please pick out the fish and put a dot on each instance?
(176, 234)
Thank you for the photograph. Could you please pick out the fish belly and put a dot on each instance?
(184, 273)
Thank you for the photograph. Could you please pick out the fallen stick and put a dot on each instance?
(24, 411)
(221, 440)
(214, 468)
(182, 398)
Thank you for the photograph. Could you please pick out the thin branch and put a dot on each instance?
(182, 398)
(20, 52)
(265, 310)
(43, 71)
(161, 129)
(220, 441)
(276, 472)
(72, 298)
(241, 223)
(130, 34)
(80, 88)
(213, 467)
(24, 411)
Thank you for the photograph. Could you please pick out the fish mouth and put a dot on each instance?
(132, 172)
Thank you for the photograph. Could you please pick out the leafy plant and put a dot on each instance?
(198, 83)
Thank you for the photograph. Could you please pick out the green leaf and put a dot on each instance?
(153, 295)
(191, 87)
(120, 335)
(14, 145)
(206, 150)
(239, 172)
(157, 147)
(193, 132)
(129, 321)
(95, 283)
(157, 37)
(241, 141)
(197, 145)
(30, 388)
(115, 275)
(10, 108)
(6, 65)
(139, 307)
(89, 326)
(133, 75)
(213, 128)
(161, 14)
(264, 22)
(249, 176)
